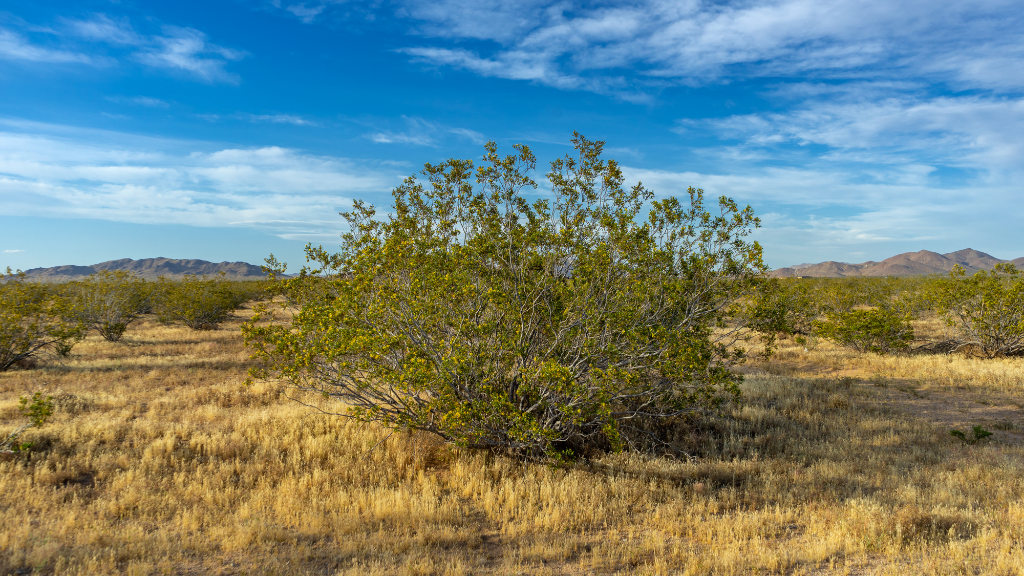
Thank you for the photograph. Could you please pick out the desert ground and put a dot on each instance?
(160, 460)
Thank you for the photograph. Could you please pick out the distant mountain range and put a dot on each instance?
(150, 268)
(907, 264)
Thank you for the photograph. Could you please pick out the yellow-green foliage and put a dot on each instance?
(36, 410)
(538, 328)
(986, 310)
(877, 330)
(200, 303)
(868, 314)
(109, 301)
(32, 317)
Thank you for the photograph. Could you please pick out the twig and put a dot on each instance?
(378, 444)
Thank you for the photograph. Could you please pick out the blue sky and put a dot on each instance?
(226, 130)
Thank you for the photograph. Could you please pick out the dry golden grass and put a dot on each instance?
(160, 461)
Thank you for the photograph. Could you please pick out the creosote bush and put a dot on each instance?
(546, 329)
(32, 318)
(109, 301)
(876, 330)
(200, 303)
(986, 311)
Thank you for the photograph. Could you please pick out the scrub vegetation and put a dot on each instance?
(522, 397)
(159, 460)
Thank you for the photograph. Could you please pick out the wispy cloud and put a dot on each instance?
(187, 50)
(180, 49)
(311, 10)
(420, 132)
(56, 172)
(12, 251)
(292, 119)
(823, 212)
(102, 28)
(13, 46)
(401, 138)
(150, 102)
(279, 119)
(628, 49)
(471, 135)
(306, 13)
(967, 131)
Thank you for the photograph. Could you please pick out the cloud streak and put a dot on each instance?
(420, 132)
(178, 49)
(281, 190)
(14, 46)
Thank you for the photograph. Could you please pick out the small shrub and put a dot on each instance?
(37, 410)
(977, 434)
(878, 330)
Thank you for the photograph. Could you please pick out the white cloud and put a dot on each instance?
(471, 135)
(279, 119)
(180, 49)
(56, 172)
(967, 131)
(305, 13)
(14, 47)
(624, 48)
(822, 213)
(102, 28)
(186, 49)
(12, 251)
(399, 138)
(420, 132)
(150, 102)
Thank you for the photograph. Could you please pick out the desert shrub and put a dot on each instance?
(542, 329)
(876, 330)
(36, 410)
(977, 435)
(109, 301)
(200, 303)
(784, 306)
(249, 290)
(33, 317)
(985, 311)
(831, 296)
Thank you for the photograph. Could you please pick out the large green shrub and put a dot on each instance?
(109, 301)
(985, 311)
(565, 324)
(784, 307)
(32, 317)
(200, 303)
(877, 330)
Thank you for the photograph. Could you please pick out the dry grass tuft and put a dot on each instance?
(159, 461)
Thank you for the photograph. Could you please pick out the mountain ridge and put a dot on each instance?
(922, 262)
(150, 269)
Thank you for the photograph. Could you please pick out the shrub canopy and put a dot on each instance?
(110, 301)
(539, 328)
(986, 310)
(200, 303)
(32, 317)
